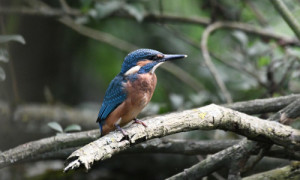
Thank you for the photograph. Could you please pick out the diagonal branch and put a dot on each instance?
(57, 142)
(287, 16)
(205, 118)
(150, 17)
(235, 157)
(215, 161)
(127, 47)
(291, 171)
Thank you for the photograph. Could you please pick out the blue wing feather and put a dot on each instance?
(114, 96)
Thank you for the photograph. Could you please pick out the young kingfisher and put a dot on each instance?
(131, 90)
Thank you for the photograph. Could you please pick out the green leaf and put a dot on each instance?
(2, 74)
(8, 38)
(73, 127)
(57, 127)
(3, 55)
(135, 10)
(264, 61)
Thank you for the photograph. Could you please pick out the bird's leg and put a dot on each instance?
(122, 131)
(139, 122)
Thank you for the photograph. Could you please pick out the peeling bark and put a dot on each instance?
(205, 118)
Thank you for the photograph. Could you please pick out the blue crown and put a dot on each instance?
(132, 58)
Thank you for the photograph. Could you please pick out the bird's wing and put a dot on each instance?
(114, 96)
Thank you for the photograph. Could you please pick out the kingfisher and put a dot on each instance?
(131, 90)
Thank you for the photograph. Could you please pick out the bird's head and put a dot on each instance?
(146, 60)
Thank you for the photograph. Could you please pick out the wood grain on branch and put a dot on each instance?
(167, 146)
(205, 118)
(31, 117)
(291, 171)
(57, 142)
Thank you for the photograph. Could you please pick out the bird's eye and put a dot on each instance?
(156, 57)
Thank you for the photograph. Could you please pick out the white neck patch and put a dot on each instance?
(156, 66)
(133, 70)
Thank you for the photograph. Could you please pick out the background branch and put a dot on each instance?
(149, 17)
(287, 16)
(209, 62)
(288, 172)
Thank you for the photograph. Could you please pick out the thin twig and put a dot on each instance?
(209, 62)
(65, 6)
(202, 21)
(287, 16)
(241, 68)
(286, 73)
(49, 12)
(259, 16)
(98, 35)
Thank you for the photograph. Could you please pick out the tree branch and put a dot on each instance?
(259, 106)
(209, 62)
(31, 117)
(150, 17)
(167, 146)
(289, 113)
(57, 142)
(214, 162)
(287, 16)
(288, 172)
(53, 12)
(127, 47)
(205, 118)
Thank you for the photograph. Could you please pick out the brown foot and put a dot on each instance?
(139, 122)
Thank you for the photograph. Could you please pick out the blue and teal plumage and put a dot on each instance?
(132, 58)
(116, 93)
(114, 96)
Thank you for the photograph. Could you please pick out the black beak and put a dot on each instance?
(168, 57)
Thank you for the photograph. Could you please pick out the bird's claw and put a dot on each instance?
(135, 120)
(125, 134)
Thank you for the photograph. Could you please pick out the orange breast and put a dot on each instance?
(139, 94)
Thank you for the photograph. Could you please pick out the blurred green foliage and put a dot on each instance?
(84, 67)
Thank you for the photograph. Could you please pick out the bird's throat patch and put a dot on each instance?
(133, 70)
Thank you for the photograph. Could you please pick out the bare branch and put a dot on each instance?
(202, 21)
(97, 35)
(209, 62)
(289, 113)
(57, 142)
(214, 162)
(288, 172)
(53, 12)
(205, 118)
(287, 16)
(167, 146)
(259, 106)
(259, 16)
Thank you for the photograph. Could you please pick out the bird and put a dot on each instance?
(131, 90)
